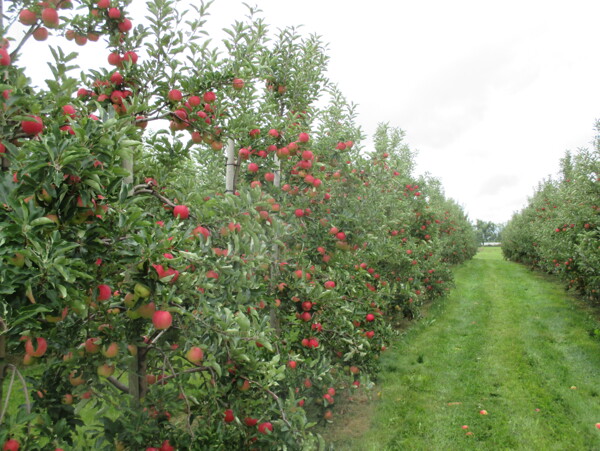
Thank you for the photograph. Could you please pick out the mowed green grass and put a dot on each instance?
(507, 341)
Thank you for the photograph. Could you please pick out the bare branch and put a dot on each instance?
(148, 189)
(277, 400)
(8, 393)
(182, 391)
(198, 369)
(23, 383)
(118, 384)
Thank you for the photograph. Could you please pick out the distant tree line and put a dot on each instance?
(488, 231)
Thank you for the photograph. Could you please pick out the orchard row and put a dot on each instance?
(559, 230)
(193, 254)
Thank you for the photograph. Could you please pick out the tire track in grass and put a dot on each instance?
(506, 341)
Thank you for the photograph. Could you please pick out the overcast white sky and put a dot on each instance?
(489, 93)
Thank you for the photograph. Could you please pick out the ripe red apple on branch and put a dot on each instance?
(162, 319)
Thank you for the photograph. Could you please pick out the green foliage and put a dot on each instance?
(559, 229)
(93, 243)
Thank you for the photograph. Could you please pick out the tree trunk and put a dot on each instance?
(138, 385)
(273, 317)
(2, 361)
(230, 168)
(127, 164)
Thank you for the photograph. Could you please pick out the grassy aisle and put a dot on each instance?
(507, 341)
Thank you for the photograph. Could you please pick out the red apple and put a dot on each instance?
(27, 17)
(194, 101)
(4, 57)
(303, 137)
(104, 292)
(114, 13)
(195, 355)
(69, 110)
(33, 126)
(42, 346)
(105, 370)
(329, 284)
(305, 316)
(41, 34)
(238, 84)
(130, 56)
(50, 17)
(76, 379)
(90, 346)
(307, 155)
(175, 95)
(111, 351)
(162, 319)
(265, 428)
(125, 26)
(80, 39)
(209, 97)
(244, 153)
(11, 445)
(114, 59)
(229, 417)
(181, 211)
(250, 421)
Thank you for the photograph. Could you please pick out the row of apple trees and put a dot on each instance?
(193, 255)
(559, 229)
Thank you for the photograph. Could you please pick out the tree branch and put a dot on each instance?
(118, 384)
(147, 188)
(187, 401)
(277, 400)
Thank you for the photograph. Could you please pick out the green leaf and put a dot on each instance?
(41, 221)
(62, 290)
(29, 311)
(93, 184)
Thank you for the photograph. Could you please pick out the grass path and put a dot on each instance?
(507, 341)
